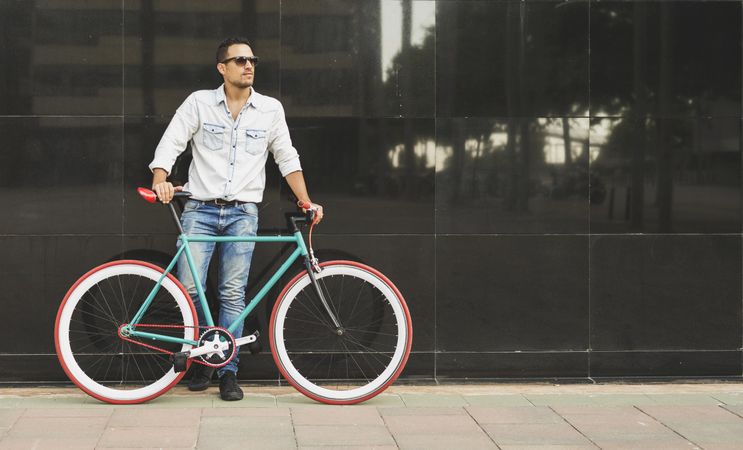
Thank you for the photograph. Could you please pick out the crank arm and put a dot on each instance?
(247, 339)
(209, 347)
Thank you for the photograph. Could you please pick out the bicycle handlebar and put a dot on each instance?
(307, 217)
(149, 195)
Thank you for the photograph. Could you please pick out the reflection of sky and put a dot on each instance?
(424, 16)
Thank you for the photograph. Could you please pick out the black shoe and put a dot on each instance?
(228, 388)
(201, 377)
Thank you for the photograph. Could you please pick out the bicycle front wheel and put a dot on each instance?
(357, 359)
(89, 347)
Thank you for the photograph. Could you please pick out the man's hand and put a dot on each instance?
(318, 210)
(165, 191)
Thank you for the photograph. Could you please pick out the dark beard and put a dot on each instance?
(242, 84)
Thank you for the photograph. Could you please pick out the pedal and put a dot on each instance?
(255, 347)
(179, 361)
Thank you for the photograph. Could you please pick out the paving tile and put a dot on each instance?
(735, 409)
(245, 412)
(497, 400)
(336, 415)
(706, 433)
(197, 400)
(257, 442)
(149, 437)
(630, 431)
(420, 411)
(8, 402)
(729, 398)
(558, 399)
(535, 434)
(683, 399)
(548, 447)
(648, 444)
(587, 415)
(243, 427)
(513, 414)
(48, 443)
(9, 416)
(154, 417)
(67, 412)
(709, 446)
(56, 402)
(352, 447)
(400, 425)
(620, 399)
(59, 427)
(436, 400)
(384, 400)
(444, 442)
(150, 448)
(250, 401)
(693, 413)
(294, 400)
(342, 435)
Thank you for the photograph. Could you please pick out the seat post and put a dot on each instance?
(174, 215)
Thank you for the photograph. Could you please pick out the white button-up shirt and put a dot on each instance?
(229, 156)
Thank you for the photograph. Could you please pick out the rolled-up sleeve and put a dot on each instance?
(181, 129)
(280, 145)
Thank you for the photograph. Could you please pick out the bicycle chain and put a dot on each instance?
(153, 347)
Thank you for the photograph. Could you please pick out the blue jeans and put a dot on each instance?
(233, 257)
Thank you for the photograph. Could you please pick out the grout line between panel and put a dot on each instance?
(435, 211)
(588, 358)
(123, 122)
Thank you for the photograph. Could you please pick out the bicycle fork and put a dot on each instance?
(311, 269)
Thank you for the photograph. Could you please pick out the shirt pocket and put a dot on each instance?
(255, 141)
(213, 136)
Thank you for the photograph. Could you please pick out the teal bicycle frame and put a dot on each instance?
(301, 250)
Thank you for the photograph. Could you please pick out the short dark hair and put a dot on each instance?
(222, 49)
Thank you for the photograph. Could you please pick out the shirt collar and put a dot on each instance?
(255, 98)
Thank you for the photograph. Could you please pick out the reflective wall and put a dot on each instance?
(555, 186)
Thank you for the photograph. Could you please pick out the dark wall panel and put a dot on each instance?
(665, 292)
(60, 175)
(554, 186)
(666, 59)
(512, 293)
(61, 60)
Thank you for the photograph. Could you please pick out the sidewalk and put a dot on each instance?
(507, 416)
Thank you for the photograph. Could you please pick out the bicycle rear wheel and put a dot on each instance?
(89, 348)
(347, 364)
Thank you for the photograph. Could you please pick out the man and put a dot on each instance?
(231, 130)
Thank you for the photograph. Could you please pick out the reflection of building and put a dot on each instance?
(334, 48)
(166, 44)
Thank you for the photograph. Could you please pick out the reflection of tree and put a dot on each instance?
(670, 72)
(407, 90)
(520, 76)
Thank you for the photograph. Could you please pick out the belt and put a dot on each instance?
(223, 202)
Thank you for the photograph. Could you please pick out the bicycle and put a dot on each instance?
(340, 332)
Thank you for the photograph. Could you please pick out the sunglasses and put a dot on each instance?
(242, 60)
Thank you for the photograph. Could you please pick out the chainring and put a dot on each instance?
(217, 358)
